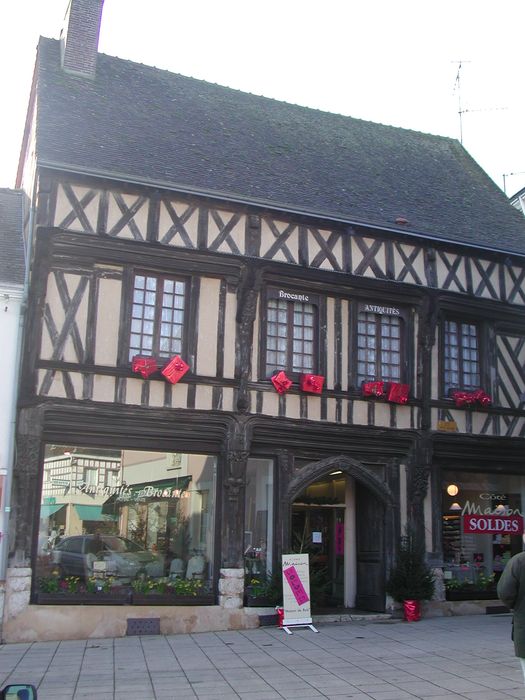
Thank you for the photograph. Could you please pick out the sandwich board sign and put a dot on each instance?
(296, 592)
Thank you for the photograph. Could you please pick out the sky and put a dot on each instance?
(388, 61)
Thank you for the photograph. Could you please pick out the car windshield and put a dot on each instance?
(120, 544)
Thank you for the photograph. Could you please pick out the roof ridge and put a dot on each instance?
(276, 100)
(137, 123)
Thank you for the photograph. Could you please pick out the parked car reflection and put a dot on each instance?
(116, 556)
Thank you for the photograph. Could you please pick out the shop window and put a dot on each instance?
(258, 520)
(482, 527)
(379, 347)
(144, 529)
(157, 316)
(291, 334)
(461, 365)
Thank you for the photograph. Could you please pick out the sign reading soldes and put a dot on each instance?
(493, 524)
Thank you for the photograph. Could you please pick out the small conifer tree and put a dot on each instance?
(411, 578)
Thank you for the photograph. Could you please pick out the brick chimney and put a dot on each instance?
(79, 37)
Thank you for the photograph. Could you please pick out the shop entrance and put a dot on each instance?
(318, 528)
(340, 522)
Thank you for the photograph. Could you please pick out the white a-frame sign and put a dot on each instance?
(296, 592)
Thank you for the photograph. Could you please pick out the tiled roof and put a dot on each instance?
(11, 241)
(148, 125)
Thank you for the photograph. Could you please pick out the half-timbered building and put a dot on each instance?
(253, 328)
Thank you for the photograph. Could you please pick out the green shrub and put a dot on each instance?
(411, 578)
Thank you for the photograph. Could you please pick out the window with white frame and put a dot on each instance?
(157, 316)
(291, 334)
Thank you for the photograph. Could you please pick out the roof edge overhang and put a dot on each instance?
(260, 202)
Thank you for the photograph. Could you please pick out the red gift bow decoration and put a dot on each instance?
(463, 398)
(373, 389)
(312, 383)
(175, 369)
(281, 382)
(398, 393)
(467, 398)
(144, 366)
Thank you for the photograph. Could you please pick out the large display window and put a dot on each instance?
(482, 525)
(258, 529)
(126, 524)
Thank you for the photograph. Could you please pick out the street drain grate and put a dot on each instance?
(143, 625)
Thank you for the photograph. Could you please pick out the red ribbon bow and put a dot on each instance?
(398, 393)
(145, 366)
(373, 389)
(312, 383)
(281, 382)
(175, 369)
(467, 398)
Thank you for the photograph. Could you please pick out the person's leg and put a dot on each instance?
(522, 662)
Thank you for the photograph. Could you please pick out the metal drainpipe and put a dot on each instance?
(11, 448)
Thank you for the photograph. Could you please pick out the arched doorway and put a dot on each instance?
(342, 514)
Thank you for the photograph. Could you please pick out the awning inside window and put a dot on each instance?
(147, 492)
(93, 513)
(46, 511)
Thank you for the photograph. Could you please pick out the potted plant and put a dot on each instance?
(411, 579)
(163, 591)
(264, 590)
(483, 587)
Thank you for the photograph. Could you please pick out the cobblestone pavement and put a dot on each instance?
(439, 658)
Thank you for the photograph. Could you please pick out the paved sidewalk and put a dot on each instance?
(456, 657)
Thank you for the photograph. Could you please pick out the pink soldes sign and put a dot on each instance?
(296, 589)
(493, 524)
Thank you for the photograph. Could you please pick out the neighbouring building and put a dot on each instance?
(518, 200)
(12, 276)
(252, 328)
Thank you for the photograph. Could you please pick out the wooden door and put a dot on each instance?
(370, 518)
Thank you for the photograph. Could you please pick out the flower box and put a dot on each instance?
(171, 599)
(254, 601)
(470, 594)
(63, 598)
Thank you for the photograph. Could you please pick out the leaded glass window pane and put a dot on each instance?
(291, 330)
(461, 356)
(157, 316)
(378, 347)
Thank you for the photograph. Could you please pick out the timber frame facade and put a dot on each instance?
(94, 234)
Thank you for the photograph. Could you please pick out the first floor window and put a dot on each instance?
(91, 476)
(291, 336)
(461, 356)
(112, 477)
(157, 316)
(378, 347)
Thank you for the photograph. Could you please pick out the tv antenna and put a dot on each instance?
(457, 86)
(506, 175)
(461, 109)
